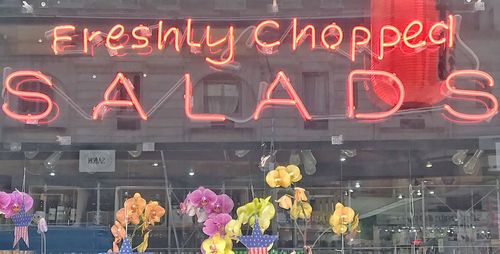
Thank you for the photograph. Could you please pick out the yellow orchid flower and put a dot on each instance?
(342, 217)
(229, 245)
(278, 178)
(294, 173)
(301, 210)
(214, 245)
(260, 207)
(285, 202)
(300, 194)
(233, 229)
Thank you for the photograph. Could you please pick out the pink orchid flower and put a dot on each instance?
(17, 199)
(216, 224)
(202, 197)
(222, 204)
(4, 201)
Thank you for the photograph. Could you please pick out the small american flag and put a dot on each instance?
(257, 243)
(260, 250)
(21, 221)
(21, 233)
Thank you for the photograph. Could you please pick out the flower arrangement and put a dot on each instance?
(12, 203)
(214, 211)
(342, 221)
(141, 216)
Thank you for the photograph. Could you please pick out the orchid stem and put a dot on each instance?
(319, 237)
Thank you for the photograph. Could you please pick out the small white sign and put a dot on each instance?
(97, 161)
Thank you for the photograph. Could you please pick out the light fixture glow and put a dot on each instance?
(191, 172)
(155, 164)
(400, 196)
(357, 185)
(52, 173)
(428, 165)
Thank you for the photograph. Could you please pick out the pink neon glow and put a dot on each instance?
(109, 102)
(351, 108)
(188, 105)
(324, 34)
(38, 76)
(490, 111)
(258, 29)
(294, 100)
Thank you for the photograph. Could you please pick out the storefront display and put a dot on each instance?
(250, 126)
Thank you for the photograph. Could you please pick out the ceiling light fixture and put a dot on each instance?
(428, 165)
(459, 157)
(191, 172)
(155, 164)
(357, 185)
(52, 173)
(51, 161)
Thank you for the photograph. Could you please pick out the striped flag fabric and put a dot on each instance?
(259, 250)
(21, 233)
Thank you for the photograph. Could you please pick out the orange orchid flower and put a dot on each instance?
(118, 231)
(136, 204)
(154, 212)
(130, 218)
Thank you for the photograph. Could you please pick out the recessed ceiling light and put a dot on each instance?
(155, 164)
(191, 172)
(52, 173)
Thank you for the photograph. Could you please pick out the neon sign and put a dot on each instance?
(331, 38)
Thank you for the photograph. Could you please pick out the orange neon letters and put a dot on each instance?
(189, 35)
(351, 108)
(450, 27)
(58, 31)
(294, 100)
(409, 35)
(115, 33)
(335, 28)
(142, 40)
(188, 105)
(490, 111)
(38, 76)
(230, 44)
(163, 37)
(384, 44)
(355, 43)
(109, 102)
(262, 25)
(297, 39)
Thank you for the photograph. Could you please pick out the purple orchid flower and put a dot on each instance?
(222, 204)
(216, 224)
(202, 197)
(17, 199)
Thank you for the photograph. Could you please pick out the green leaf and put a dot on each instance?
(144, 245)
